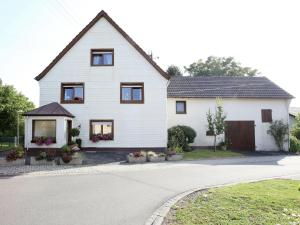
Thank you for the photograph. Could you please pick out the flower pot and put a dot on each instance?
(174, 157)
(76, 159)
(132, 159)
(35, 162)
(66, 158)
(156, 158)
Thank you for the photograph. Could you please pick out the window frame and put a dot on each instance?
(102, 50)
(62, 93)
(184, 102)
(124, 84)
(266, 116)
(33, 128)
(98, 120)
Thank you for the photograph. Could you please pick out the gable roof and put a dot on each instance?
(52, 109)
(225, 86)
(294, 111)
(100, 15)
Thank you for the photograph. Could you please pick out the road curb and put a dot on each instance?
(159, 215)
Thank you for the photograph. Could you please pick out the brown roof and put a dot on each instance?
(225, 86)
(100, 15)
(52, 109)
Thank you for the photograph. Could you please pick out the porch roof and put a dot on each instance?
(51, 109)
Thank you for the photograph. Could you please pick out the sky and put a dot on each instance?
(262, 34)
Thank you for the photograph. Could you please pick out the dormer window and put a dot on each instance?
(102, 57)
(72, 93)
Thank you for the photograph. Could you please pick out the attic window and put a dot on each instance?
(102, 57)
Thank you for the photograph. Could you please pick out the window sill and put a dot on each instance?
(132, 102)
(72, 102)
(34, 142)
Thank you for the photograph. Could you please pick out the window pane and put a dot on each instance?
(126, 93)
(44, 128)
(137, 94)
(96, 127)
(107, 58)
(180, 107)
(98, 59)
(107, 128)
(78, 93)
(68, 93)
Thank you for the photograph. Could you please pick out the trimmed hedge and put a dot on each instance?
(181, 136)
(294, 144)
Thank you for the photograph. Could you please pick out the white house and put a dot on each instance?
(105, 84)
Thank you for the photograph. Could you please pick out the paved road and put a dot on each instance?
(124, 194)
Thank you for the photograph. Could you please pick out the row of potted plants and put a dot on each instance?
(150, 156)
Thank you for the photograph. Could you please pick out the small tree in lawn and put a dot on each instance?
(216, 122)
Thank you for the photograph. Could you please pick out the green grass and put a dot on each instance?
(266, 202)
(208, 154)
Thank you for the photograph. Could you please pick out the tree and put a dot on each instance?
(12, 103)
(296, 128)
(219, 66)
(174, 71)
(216, 122)
(279, 131)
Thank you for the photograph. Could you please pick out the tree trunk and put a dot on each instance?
(215, 140)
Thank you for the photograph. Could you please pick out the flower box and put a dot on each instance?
(133, 159)
(45, 162)
(174, 157)
(17, 162)
(156, 158)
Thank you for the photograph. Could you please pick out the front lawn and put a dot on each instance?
(209, 153)
(266, 202)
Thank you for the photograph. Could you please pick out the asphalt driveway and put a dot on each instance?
(122, 194)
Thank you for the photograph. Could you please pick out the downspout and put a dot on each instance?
(288, 102)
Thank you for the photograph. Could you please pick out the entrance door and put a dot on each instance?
(69, 128)
(240, 135)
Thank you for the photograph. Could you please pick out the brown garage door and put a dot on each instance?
(240, 135)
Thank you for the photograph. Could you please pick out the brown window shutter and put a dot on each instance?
(266, 115)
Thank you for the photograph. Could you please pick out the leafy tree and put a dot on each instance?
(174, 71)
(219, 66)
(181, 136)
(12, 103)
(279, 131)
(216, 122)
(296, 128)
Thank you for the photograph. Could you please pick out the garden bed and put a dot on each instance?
(35, 162)
(265, 202)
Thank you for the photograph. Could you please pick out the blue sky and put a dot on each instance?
(260, 34)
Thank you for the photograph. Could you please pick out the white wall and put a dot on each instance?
(236, 109)
(135, 125)
(61, 134)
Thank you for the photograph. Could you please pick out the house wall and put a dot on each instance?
(61, 134)
(235, 109)
(135, 125)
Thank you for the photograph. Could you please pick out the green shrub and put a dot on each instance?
(78, 142)
(296, 132)
(279, 131)
(181, 136)
(75, 132)
(176, 137)
(178, 149)
(294, 144)
(190, 135)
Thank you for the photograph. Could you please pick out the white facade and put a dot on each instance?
(135, 125)
(236, 109)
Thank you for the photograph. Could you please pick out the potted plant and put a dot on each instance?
(137, 157)
(156, 157)
(14, 157)
(175, 154)
(43, 158)
(66, 154)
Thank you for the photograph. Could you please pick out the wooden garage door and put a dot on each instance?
(240, 135)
